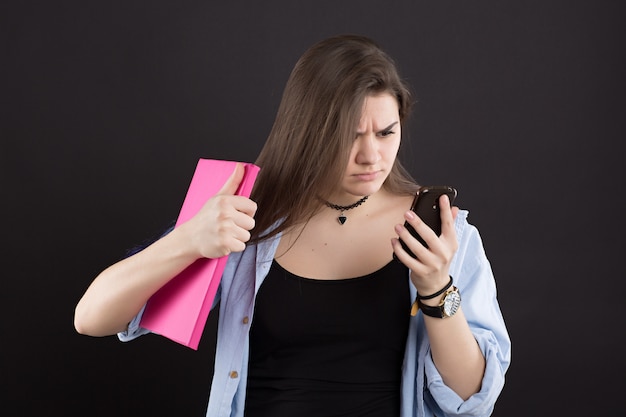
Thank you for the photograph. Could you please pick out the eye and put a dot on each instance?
(386, 133)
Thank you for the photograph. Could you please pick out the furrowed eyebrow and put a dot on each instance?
(388, 128)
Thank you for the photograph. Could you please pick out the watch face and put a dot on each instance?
(451, 303)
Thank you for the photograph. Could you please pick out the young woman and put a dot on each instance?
(315, 314)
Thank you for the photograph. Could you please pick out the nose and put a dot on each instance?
(367, 150)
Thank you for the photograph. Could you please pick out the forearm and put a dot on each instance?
(118, 293)
(456, 353)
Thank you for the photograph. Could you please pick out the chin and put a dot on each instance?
(366, 189)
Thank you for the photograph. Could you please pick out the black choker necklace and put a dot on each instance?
(342, 218)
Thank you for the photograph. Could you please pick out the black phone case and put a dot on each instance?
(426, 206)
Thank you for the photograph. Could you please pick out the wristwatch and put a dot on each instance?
(449, 305)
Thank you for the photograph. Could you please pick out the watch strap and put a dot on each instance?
(438, 310)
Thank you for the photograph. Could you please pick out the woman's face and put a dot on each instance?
(374, 151)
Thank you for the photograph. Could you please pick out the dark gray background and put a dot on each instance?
(106, 107)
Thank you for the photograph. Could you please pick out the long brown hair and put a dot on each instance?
(304, 156)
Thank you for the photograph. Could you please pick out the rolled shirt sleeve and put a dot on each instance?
(474, 278)
(134, 329)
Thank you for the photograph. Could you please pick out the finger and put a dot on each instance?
(444, 203)
(244, 205)
(232, 183)
(235, 245)
(448, 215)
(455, 212)
(445, 211)
(419, 250)
(406, 259)
(424, 231)
(244, 221)
(240, 235)
(239, 238)
(400, 253)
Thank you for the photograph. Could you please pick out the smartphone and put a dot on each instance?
(426, 206)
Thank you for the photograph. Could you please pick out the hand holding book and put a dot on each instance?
(216, 205)
(224, 222)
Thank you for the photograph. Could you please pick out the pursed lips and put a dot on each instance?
(367, 176)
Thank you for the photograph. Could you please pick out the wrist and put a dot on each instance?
(181, 243)
(433, 296)
(430, 300)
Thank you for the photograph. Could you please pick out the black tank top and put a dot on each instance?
(328, 347)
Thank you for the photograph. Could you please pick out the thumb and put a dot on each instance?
(232, 183)
(455, 212)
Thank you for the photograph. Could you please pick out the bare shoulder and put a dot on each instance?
(399, 202)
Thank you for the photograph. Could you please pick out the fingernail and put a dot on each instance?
(409, 215)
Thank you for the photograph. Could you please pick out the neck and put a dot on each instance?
(348, 206)
(342, 218)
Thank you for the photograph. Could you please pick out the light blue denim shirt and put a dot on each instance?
(423, 390)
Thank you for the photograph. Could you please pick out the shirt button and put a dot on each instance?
(245, 320)
(234, 374)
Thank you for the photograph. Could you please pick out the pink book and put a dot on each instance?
(179, 310)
